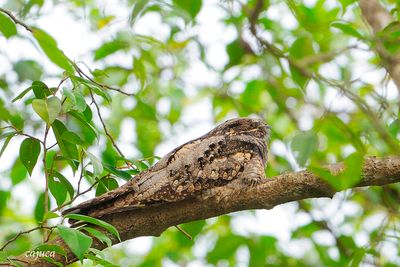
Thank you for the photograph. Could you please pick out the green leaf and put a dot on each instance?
(301, 48)
(39, 208)
(6, 142)
(72, 138)
(50, 215)
(94, 221)
(28, 70)
(7, 26)
(192, 7)
(40, 89)
(99, 235)
(47, 109)
(4, 195)
(78, 242)
(347, 28)
(65, 182)
(58, 190)
(68, 149)
(96, 163)
(122, 174)
(349, 177)
(394, 128)
(303, 146)
(21, 95)
(109, 48)
(49, 47)
(29, 152)
(235, 53)
(3, 256)
(137, 10)
(18, 172)
(105, 185)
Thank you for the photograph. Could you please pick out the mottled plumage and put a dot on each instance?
(234, 150)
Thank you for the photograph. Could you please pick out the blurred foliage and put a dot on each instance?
(307, 68)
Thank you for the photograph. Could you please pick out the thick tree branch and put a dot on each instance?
(378, 18)
(268, 194)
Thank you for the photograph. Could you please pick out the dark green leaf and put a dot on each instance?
(105, 185)
(94, 221)
(40, 89)
(58, 190)
(65, 182)
(39, 208)
(72, 138)
(68, 149)
(121, 174)
(29, 152)
(78, 242)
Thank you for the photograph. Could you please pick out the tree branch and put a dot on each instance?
(287, 187)
(378, 18)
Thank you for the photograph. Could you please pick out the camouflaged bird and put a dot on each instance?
(236, 150)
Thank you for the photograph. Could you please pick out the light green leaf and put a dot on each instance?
(347, 28)
(303, 146)
(50, 215)
(6, 142)
(96, 163)
(49, 46)
(28, 70)
(94, 221)
(47, 109)
(78, 242)
(137, 10)
(7, 26)
(29, 152)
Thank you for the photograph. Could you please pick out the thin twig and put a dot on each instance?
(23, 233)
(104, 125)
(184, 232)
(46, 176)
(16, 21)
(82, 73)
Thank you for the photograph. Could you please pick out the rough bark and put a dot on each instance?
(378, 18)
(278, 190)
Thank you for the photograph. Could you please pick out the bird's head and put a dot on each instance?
(248, 126)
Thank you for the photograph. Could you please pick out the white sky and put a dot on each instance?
(76, 40)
